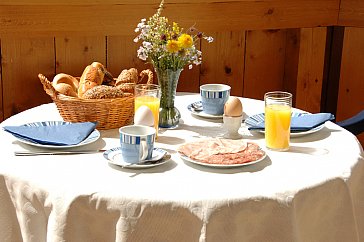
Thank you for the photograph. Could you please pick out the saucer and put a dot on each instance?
(159, 157)
(202, 113)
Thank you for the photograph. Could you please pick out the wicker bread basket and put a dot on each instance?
(109, 113)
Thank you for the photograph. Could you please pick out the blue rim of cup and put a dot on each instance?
(222, 91)
(130, 138)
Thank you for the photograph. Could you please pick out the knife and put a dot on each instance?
(76, 152)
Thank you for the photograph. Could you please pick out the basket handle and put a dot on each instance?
(48, 87)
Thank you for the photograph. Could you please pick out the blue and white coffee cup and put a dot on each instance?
(214, 97)
(137, 143)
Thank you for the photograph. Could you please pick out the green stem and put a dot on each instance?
(169, 115)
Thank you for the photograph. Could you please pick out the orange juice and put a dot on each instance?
(277, 126)
(152, 103)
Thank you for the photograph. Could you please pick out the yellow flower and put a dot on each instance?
(185, 41)
(173, 46)
(175, 28)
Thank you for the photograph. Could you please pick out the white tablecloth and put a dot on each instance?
(314, 192)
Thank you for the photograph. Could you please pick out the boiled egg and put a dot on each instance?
(233, 107)
(144, 116)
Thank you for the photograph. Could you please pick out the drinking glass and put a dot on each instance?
(148, 95)
(278, 107)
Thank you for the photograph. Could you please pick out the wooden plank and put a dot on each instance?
(351, 13)
(189, 80)
(361, 139)
(351, 87)
(74, 2)
(121, 19)
(291, 62)
(223, 60)
(310, 68)
(22, 60)
(1, 92)
(73, 54)
(332, 71)
(122, 54)
(265, 62)
(99, 2)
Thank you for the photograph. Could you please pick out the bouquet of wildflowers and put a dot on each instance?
(165, 45)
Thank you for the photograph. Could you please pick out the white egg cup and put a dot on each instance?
(232, 125)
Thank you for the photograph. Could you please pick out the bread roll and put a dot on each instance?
(102, 92)
(65, 89)
(126, 87)
(92, 76)
(108, 78)
(65, 78)
(127, 76)
(65, 84)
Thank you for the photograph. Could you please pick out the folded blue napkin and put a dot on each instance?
(53, 133)
(303, 122)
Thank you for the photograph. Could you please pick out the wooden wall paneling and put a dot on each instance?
(291, 62)
(1, 90)
(351, 87)
(330, 86)
(74, 2)
(189, 80)
(311, 68)
(113, 2)
(122, 54)
(351, 13)
(265, 62)
(223, 60)
(119, 18)
(22, 60)
(73, 54)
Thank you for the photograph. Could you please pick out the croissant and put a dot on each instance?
(65, 84)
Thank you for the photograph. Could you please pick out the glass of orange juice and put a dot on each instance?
(278, 107)
(148, 95)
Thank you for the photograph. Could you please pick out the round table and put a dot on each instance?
(313, 192)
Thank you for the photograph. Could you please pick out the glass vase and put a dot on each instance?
(169, 115)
